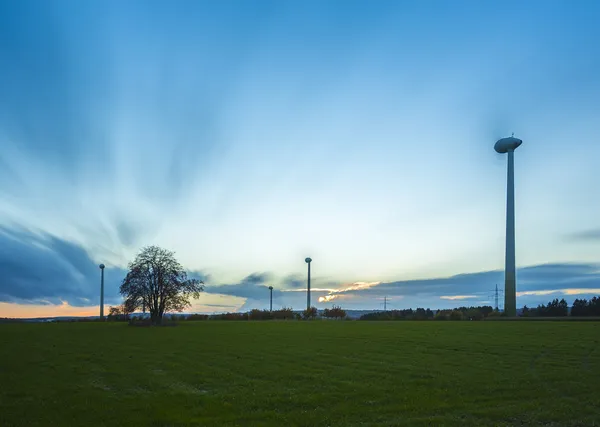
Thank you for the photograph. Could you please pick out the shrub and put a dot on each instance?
(198, 317)
(283, 314)
(309, 313)
(336, 312)
(455, 315)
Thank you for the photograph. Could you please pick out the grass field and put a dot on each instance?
(301, 374)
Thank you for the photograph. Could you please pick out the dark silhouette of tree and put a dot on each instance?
(580, 308)
(309, 313)
(284, 314)
(594, 307)
(119, 312)
(456, 315)
(334, 312)
(159, 283)
(256, 314)
(555, 308)
(583, 307)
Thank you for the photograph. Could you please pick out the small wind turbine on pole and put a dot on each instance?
(509, 145)
(101, 266)
(271, 298)
(308, 260)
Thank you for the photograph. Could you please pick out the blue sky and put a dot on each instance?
(246, 136)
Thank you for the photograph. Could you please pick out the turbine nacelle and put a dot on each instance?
(101, 266)
(308, 260)
(505, 145)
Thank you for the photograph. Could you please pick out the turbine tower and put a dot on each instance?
(509, 145)
(308, 261)
(271, 298)
(101, 291)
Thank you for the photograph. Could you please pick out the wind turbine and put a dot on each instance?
(101, 291)
(271, 298)
(509, 145)
(308, 261)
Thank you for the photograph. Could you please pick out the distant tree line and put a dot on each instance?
(560, 308)
(461, 313)
(583, 307)
(407, 314)
(555, 308)
(121, 313)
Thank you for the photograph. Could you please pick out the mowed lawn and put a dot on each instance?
(301, 374)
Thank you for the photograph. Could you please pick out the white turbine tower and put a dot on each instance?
(101, 291)
(308, 260)
(509, 145)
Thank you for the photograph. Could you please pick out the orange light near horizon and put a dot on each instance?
(26, 311)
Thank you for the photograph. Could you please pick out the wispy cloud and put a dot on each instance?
(346, 289)
(592, 235)
(570, 291)
(457, 297)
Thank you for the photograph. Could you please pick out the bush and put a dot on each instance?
(555, 308)
(260, 315)
(309, 313)
(284, 314)
(336, 312)
(455, 315)
(229, 316)
(198, 317)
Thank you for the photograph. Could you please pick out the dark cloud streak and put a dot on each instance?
(585, 236)
(41, 268)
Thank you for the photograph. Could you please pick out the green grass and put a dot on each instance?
(301, 374)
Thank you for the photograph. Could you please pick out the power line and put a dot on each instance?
(385, 303)
(495, 295)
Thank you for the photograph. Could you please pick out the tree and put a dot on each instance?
(284, 313)
(334, 312)
(580, 308)
(119, 312)
(309, 313)
(159, 283)
(114, 311)
(456, 315)
(474, 313)
(594, 307)
(442, 315)
(555, 308)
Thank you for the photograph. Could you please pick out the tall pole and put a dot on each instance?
(271, 298)
(385, 303)
(308, 292)
(510, 288)
(102, 291)
(308, 261)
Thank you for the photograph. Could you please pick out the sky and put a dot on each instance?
(246, 136)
